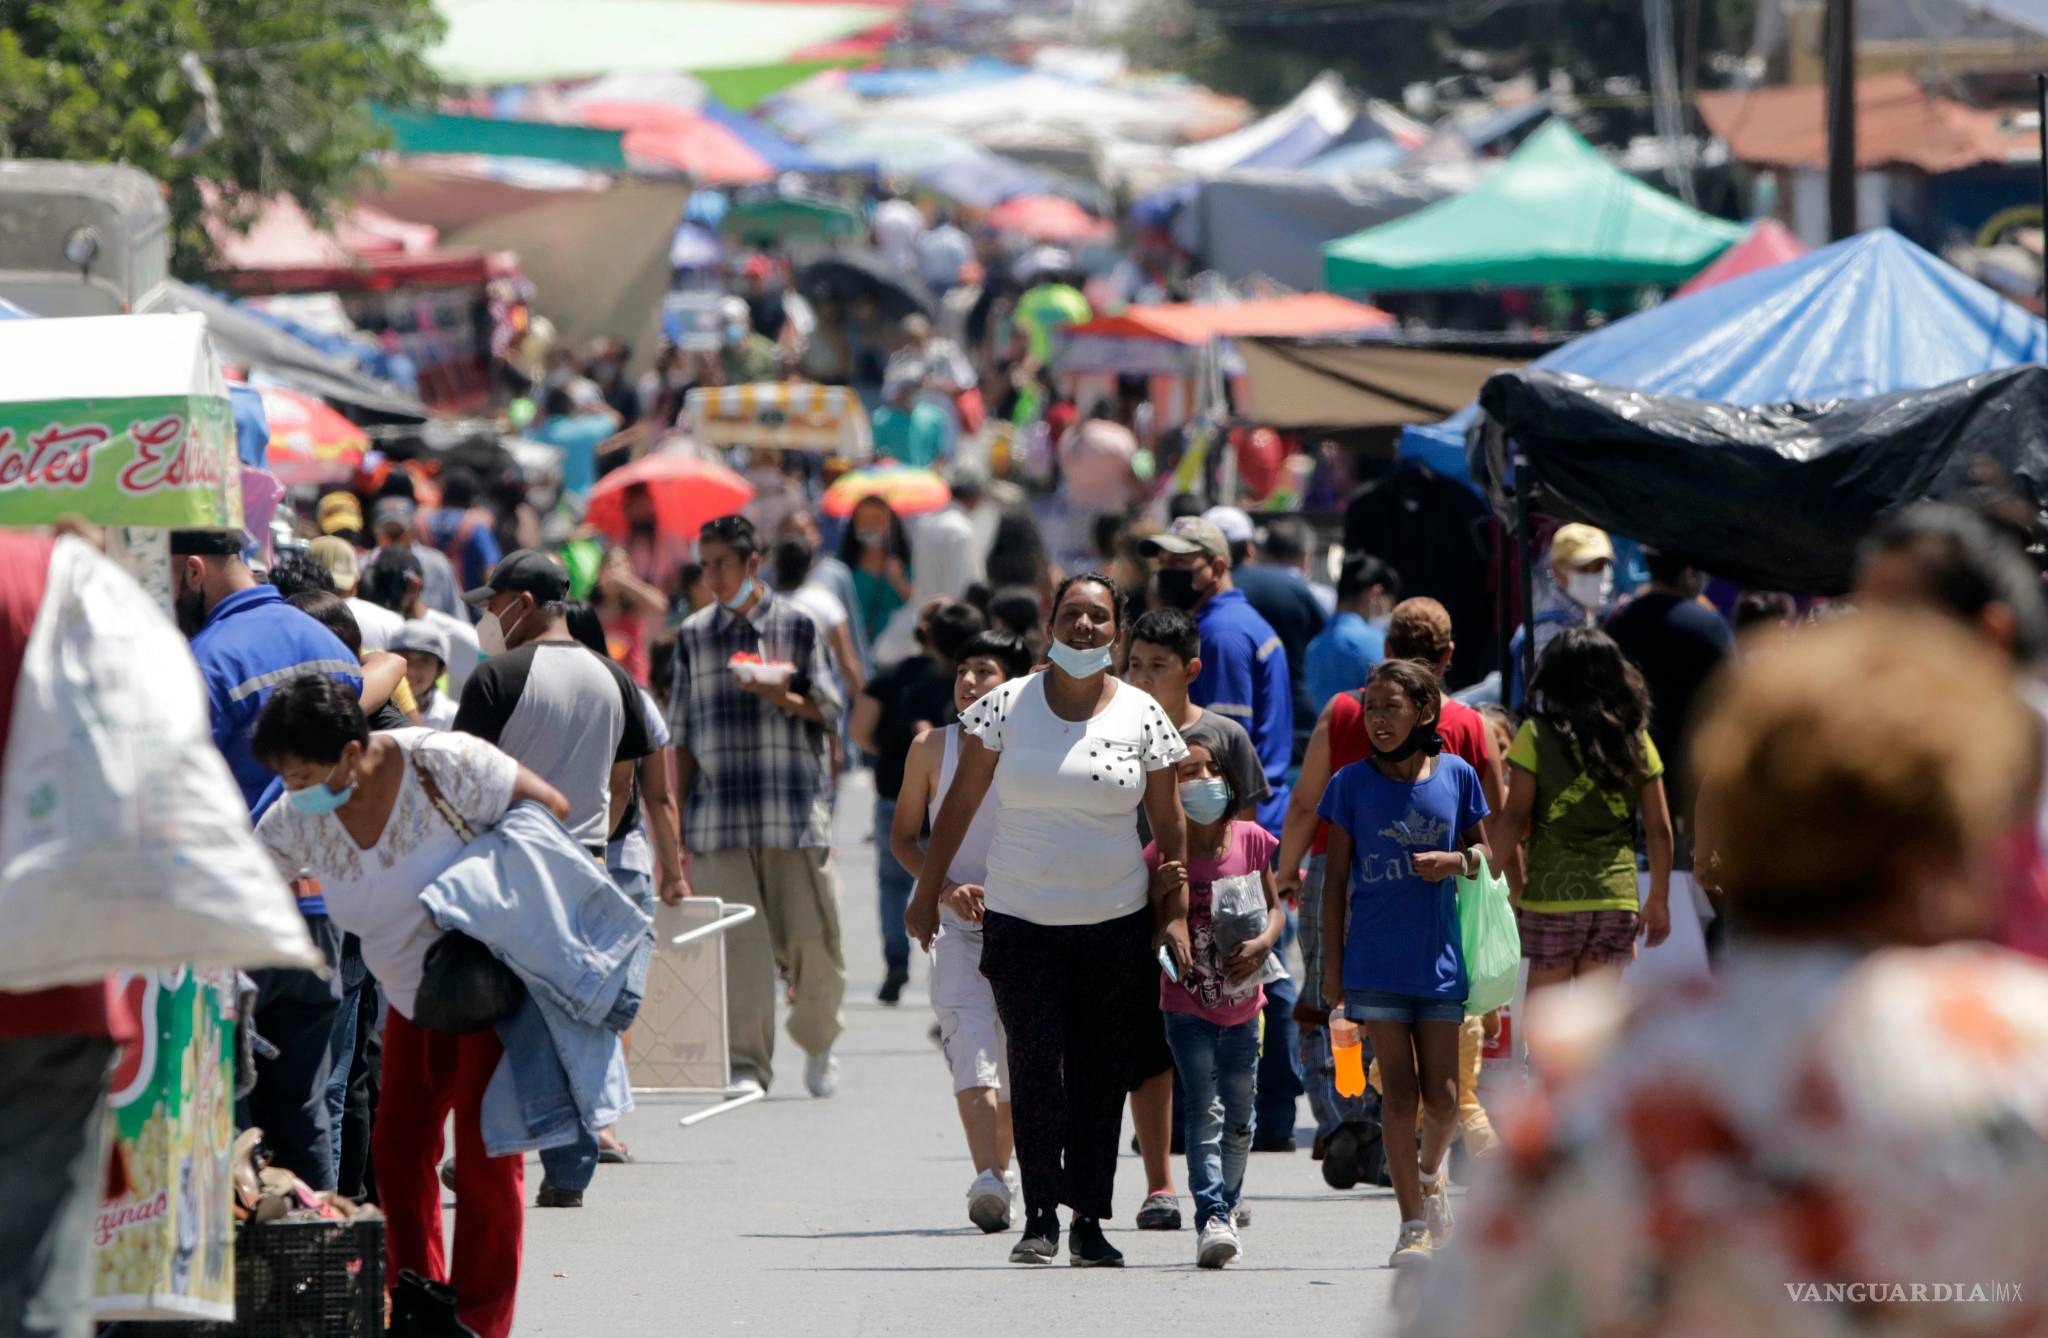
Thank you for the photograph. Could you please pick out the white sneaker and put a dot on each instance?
(821, 1074)
(744, 1085)
(1217, 1244)
(1436, 1211)
(988, 1202)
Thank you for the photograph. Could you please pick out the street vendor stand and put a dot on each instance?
(125, 422)
(780, 416)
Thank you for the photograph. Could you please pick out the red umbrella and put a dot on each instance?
(310, 442)
(687, 492)
(1047, 218)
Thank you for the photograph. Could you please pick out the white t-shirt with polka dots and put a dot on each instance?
(1066, 846)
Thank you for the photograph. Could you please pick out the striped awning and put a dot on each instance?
(781, 416)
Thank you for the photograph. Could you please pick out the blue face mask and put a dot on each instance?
(740, 598)
(1205, 800)
(317, 801)
(1079, 663)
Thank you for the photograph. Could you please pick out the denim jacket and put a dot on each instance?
(534, 896)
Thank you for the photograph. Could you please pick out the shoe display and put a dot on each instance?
(1040, 1243)
(1161, 1212)
(1413, 1247)
(988, 1202)
(821, 1074)
(1436, 1210)
(1216, 1245)
(1087, 1247)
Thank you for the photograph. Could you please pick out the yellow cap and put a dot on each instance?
(1579, 546)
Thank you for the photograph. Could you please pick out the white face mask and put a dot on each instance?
(490, 634)
(1589, 589)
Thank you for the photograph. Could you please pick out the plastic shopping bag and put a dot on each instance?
(1493, 946)
(124, 843)
(1237, 915)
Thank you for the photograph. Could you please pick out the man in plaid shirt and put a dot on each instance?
(756, 780)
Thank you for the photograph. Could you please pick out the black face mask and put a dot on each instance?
(1422, 739)
(1177, 589)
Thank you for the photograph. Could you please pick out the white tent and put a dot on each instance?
(1318, 113)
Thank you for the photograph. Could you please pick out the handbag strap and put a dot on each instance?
(456, 822)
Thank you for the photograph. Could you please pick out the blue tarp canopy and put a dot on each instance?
(1869, 315)
(986, 180)
(777, 152)
(917, 82)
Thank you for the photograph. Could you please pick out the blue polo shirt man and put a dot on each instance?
(247, 640)
(1244, 665)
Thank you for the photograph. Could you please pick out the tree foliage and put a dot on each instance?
(292, 82)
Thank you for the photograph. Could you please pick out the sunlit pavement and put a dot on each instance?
(848, 1216)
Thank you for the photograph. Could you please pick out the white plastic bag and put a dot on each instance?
(1237, 915)
(124, 843)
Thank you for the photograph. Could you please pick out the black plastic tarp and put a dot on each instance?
(1776, 497)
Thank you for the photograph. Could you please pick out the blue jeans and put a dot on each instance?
(573, 1166)
(1279, 1079)
(1219, 1069)
(341, 1051)
(894, 885)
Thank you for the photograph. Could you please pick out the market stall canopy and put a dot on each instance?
(426, 132)
(781, 155)
(1048, 218)
(791, 218)
(283, 250)
(1313, 120)
(1776, 497)
(1555, 213)
(1769, 243)
(1869, 315)
(985, 179)
(1342, 384)
(124, 420)
(780, 416)
(526, 41)
(1898, 125)
(855, 272)
(896, 148)
(258, 346)
(1160, 115)
(1167, 339)
(1276, 223)
(687, 491)
(910, 81)
(309, 442)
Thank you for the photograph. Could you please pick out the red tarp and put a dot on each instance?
(1897, 125)
(1196, 323)
(1768, 243)
(1048, 218)
(283, 251)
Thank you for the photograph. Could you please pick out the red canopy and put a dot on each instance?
(1769, 243)
(1197, 323)
(1048, 218)
(284, 251)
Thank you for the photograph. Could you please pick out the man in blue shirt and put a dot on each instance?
(1244, 677)
(1343, 653)
(247, 640)
(1244, 664)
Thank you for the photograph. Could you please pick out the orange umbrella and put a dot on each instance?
(309, 442)
(908, 491)
(687, 492)
(1048, 218)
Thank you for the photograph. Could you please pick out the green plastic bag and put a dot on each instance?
(1493, 946)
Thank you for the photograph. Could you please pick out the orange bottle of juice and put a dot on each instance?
(1348, 1049)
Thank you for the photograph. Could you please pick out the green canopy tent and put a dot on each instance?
(784, 219)
(1555, 213)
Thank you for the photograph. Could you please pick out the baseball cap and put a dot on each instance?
(340, 511)
(529, 571)
(1577, 545)
(420, 635)
(1237, 527)
(1189, 534)
(397, 511)
(338, 559)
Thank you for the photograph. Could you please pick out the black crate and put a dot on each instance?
(302, 1280)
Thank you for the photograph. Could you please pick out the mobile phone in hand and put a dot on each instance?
(1166, 964)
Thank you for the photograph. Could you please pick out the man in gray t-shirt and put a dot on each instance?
(574, 719)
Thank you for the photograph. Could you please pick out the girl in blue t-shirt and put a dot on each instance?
(1406, 823)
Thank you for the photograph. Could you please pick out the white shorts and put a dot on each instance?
(970, 1034)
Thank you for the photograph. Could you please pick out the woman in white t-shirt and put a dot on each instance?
(1072, 920)
(357, 823)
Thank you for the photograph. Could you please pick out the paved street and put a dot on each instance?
(848, 1216)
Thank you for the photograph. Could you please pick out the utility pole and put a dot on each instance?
(1840, 43)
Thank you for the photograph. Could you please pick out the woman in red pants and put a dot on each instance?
(373, 818)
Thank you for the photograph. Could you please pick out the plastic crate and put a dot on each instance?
(303, 1280)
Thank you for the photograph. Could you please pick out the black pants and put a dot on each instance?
(358, 1179)
(295, 1012)
(53, 1166)
(1072, 998)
